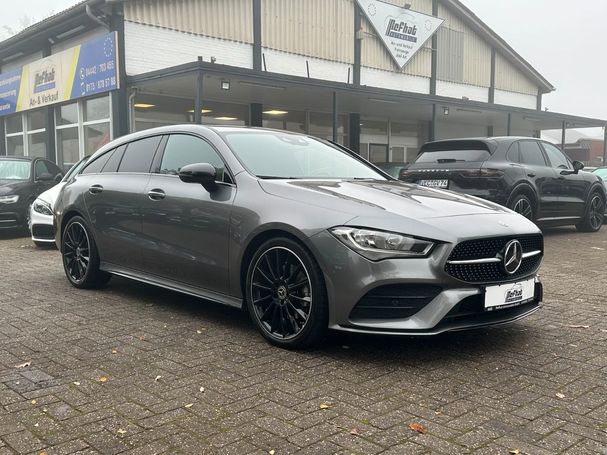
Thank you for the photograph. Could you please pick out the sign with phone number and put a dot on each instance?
(87, 69)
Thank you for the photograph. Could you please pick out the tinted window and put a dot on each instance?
(556, 157)
(139, 155)
(114, 161)
(96, 166)
(53, 168)
(41, 168)
(182, 149)
(513, 154)
(75, 169)
(531, 153)
(453, 156)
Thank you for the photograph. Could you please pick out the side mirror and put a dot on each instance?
(203, 173)
(45, 177)
(578, 166)
(58, 178)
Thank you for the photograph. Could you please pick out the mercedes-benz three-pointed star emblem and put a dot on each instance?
(513, 257)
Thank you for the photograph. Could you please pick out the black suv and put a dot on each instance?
(530, 176)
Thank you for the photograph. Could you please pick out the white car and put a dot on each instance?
(41, 211)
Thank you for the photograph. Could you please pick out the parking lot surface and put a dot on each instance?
(136, 369)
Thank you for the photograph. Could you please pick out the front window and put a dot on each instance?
(556, 157)
(14, 170)
(282, 155)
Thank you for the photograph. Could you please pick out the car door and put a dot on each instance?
(114, 200)
(573, 186)
(541, 175)
(42, 171)
(186, 228)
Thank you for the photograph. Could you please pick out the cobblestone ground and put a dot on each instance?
(134, 369)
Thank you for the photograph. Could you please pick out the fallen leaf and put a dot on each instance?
(324, 406)
(418, 427)
(141, 338)
(438, 413)
(578, 326)
(36, 425)
(103, 379)
(514, 451)
(198, 332)
(354, 432)
(33, 401)
(604, 330)
(76, 383)
(42, 453)
(121, 431)
(114, 351)
(189, 405)
(157, 378)
(560, 395)
(272, 452)
(24, 365)
(201, 390)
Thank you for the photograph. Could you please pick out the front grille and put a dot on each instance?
(43, 231)
(396, 301)
(491, 248)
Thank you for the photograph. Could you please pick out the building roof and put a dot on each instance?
(63, 21)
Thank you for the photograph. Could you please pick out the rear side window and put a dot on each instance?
(513, 154)
(453, 156)
(531, 153)
(114, 160)
(96, 166)
(139, 155)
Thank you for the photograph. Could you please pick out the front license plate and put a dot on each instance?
(511, 294)
(434, 183)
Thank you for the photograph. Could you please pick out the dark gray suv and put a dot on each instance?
(304, 234)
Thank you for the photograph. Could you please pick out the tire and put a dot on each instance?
(594, 216)
(82, 271)
(522, 205)
(286, 295)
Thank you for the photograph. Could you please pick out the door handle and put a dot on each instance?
(95, 189)
(156, 194)
(531, 174)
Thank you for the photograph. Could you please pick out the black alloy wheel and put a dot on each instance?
(286, 295)
(80, 257)
(595, 214)
(522, 205)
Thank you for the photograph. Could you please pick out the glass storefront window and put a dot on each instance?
(14, 145)
(95, 137)
(67, 114)
(36, 144)
(36, 120)
(97, 109)
(14, 124)
(67, 143)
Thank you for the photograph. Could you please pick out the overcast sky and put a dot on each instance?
(563, 40)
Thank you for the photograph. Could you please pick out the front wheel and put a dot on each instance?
(286, 295)
(594, 216)
(522, 205)
(80, 256)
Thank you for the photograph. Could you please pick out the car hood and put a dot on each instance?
(11, 186)
(405, 207)
(50, 195)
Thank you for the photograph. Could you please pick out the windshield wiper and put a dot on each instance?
(276, 177)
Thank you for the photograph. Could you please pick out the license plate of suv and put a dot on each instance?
(434, 183)
(508, 295)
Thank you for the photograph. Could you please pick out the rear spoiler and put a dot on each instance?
(460, 144)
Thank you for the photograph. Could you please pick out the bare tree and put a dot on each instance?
(24, 22)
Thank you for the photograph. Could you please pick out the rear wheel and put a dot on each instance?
(80, 256)
(286, 296)
(595, 214)
(522, 205)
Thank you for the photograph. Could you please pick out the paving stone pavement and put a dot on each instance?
(139, 370)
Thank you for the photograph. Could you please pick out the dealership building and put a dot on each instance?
(379, 77)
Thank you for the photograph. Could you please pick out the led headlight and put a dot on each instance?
(376, 245)
(9, 199)
(43, 207)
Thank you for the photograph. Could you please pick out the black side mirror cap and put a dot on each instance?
(202, 173)
(578, 166)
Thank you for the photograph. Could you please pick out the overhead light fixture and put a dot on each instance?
(275, 112)
(227, 119)
(13, 56)
(143, 105)
(225, 85)
(378, 100)
(446, 110)
(255, 84)
(202, 111)
(471, 111)
(70, 32)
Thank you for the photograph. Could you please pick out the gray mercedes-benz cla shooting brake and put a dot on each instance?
(304, 233)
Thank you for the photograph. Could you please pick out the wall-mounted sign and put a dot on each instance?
(83, 70)
(402, 31)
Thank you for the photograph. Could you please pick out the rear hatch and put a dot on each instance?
(457, 165)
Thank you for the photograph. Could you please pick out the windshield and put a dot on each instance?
(270, 154)
(75, 169)
(453, 156)
(602, 173)
(14, 170)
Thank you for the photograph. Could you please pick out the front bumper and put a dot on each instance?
(41, 227)
(454, 306)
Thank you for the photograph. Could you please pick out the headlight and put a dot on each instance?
(43, 207)
(376, 245)
(9, 199)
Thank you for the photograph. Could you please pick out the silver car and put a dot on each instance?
(303, 233)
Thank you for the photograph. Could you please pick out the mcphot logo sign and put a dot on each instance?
(402, 31)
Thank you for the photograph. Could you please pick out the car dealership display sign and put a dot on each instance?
(402, 31)
(87, 69)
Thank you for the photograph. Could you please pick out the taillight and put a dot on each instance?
(483, 173)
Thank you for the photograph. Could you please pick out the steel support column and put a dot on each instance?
(120, 103)
(563, 136)
(492, 80)
(199, 93)
(51, 153)
(434, 57)
(432, 135)
(256, 117)
(257, 35)
(604, 145)
(357, 45)
(335, 117)
(354, 132)
(509, 127)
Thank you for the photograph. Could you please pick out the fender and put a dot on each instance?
(526, 186)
